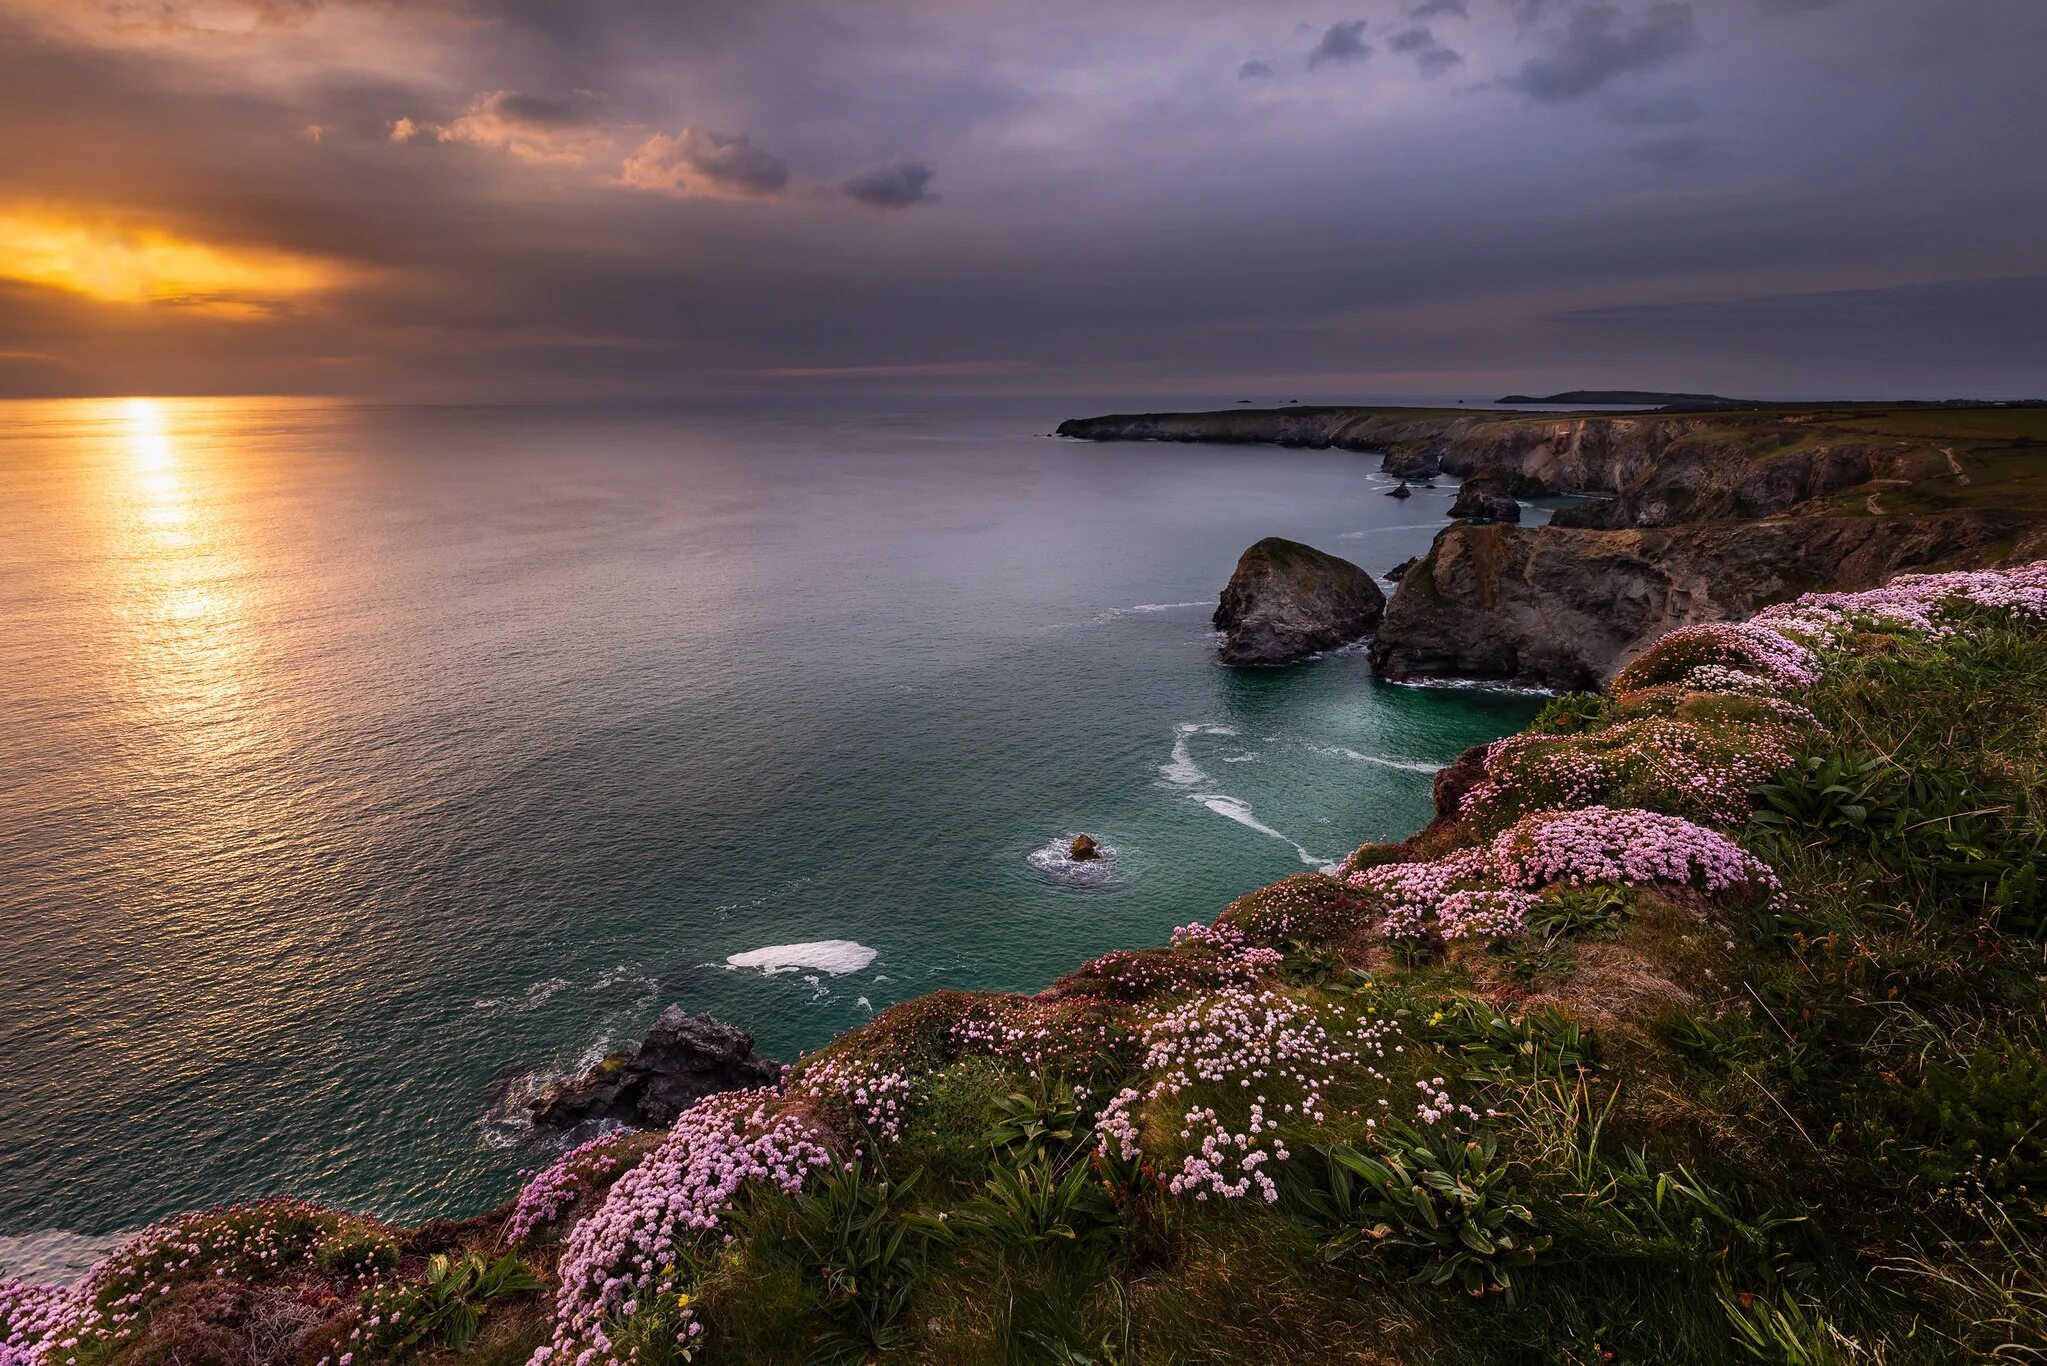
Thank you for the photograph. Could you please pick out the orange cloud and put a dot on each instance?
(127, 263)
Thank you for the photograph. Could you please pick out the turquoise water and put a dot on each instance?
(360, 766)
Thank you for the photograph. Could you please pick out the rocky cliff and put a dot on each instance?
(1567, 607)
(1287, 601)
(1699, 516)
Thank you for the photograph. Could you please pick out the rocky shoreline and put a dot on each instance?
(1698, 516)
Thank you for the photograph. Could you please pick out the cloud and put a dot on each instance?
(530, 127)
(695, 162)
(1794, 6)
(894, 186)
(1254, 71)
(1658, 111)
(1341, 42)
(1431, 56)
(1599, 44)
(1439, 9)
(1672, 152)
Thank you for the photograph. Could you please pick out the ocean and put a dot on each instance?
(363, 766)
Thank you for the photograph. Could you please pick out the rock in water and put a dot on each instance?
(1487, 498)
(1397, 570)
(683, 1059)
(1402, 492)
(1288, 601)
(1083, 848)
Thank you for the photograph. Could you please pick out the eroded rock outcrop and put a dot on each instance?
(1287, 601)
(1566, 607)
(684, 1058)
(1487, 498)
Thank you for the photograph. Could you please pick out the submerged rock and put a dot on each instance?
(1083, 848)
(1486, 498)
(683, 1059)
(1288, 601)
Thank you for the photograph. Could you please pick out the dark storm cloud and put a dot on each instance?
(1431, 56)
(1253, 71)
(894, 186)
(650, 198)
(1600, 42)
(1341, 42)
(1672, 152)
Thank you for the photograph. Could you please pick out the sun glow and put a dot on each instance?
(132, 264)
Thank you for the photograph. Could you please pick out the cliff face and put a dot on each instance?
(1656, 469)
(1287, 601)
(1567, 607)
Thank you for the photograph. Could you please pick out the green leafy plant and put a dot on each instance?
(1036, 1205)
(1488, 1043)
(1834, 793)
(864, 1245)
(446, 1307)
(1042, 1121)
(1571, 713)
(1786, 1333)
(1440, 1198)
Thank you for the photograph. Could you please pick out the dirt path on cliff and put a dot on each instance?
(1954, 464)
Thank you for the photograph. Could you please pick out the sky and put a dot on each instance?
(511, 199)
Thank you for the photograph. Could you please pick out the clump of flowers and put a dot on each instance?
(636, 1244)
(1304, 906)
(1263, 1047)
(575, 1174)
(1690, 767)
(45, 1326)
(1763, 658)
(1071, 1037)
(1605, 844)
(1911, 601)
(863, 1091)
(31, 1319)
(1490, 889)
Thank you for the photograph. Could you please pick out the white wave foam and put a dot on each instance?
(1240, 758)
(1405, 765)
(534, 997)
(1233, 808)
(1053, 859)
(1473, 685)
(1181, 770)
(835, 956)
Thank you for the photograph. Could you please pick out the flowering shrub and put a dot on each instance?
(1764, 659)
(1911, 601)
(1602, 844)
(1264, 1058)
(1697, 770)
(1074, 1037)
(1305, 906)
(857, 1090)
(634, 1246)
(49, 1327)
(1489, 890)
(578, 1172)
(1201, 958)
(32, 1317)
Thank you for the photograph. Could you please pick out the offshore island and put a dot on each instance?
(1702, 1023)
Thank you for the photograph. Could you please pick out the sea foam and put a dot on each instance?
(835, 956)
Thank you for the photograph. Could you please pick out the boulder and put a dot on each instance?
(1486, 498)
(1083, 848)
(1288, 601)
(1397, 570)
(683, 1059)
(1402, 492)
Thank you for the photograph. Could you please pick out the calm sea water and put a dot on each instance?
(359, 764)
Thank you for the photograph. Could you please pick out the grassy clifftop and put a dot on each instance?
(1704, 1024)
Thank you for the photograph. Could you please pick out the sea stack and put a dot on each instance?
(684, 1058)
(1083, 848)
(1486, 498)
(1288, 601)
